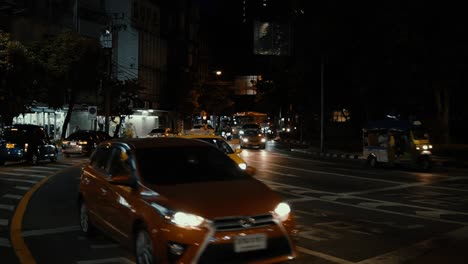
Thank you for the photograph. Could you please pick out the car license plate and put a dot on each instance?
(72, 143)
(250, 242)
(10, 145)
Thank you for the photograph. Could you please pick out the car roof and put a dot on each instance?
(200, 136)
(171, 142)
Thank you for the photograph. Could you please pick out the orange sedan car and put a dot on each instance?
(178, 200)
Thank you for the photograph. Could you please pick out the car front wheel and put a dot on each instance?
(143, 247)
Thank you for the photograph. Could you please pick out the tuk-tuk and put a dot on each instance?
(397, 142)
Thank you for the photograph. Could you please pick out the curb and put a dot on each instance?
(329, 154)
(437, 161)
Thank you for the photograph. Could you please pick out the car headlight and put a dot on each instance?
(282, 211)
(185, 220)
(263, 140)
(245, 140)
(424, 147)
(242, 165)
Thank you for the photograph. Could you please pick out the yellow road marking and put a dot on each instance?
(17, 241)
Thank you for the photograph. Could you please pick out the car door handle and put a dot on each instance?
(103, 191)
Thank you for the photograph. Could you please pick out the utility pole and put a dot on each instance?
(106, 43)
(322, 103)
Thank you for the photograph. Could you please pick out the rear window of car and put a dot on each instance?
(15, 134)
(186, 165)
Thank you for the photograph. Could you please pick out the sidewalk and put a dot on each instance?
(445, 155)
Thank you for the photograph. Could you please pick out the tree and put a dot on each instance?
(216, 100)
(15, 73)
(72, 64)
(123, 99)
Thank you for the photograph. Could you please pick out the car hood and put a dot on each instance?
(220, 199)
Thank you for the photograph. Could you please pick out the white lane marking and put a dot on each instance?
(25, 175)
(13, 196)
(18, 180)
(323, 256)
(418, 249)
(104, 246)
(304, 197)
(434, 214)
(4, 222)
(335, 174)
(7, 207)
(107, 260)
(4, 242)
(23, 188)
(283, 174)
(404, 186)
(50, 231)
(41, 169)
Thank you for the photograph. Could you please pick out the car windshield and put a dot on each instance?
(251, 133)
(420, 132)
(186, 165)
(221, 144)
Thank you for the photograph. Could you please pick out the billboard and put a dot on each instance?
(271, 38)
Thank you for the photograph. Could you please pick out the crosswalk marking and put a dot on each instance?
(22, 174)
(18, 180)
(13, 196)
(4, 242)
(7, 207)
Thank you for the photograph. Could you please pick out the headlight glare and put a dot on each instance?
(187, 220)
(179, 218)
(282, 211)
(243, 166)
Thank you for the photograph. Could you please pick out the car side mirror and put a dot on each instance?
(125, 180)
(237, 150)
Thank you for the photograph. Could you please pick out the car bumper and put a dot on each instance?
(212, 245)
(12, 154)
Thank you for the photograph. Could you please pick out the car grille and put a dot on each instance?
(239, 222)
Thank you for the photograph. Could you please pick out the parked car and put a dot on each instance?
(252, 138)
(83, 142)
(26, 142)
(160, 132)
(178, 200)
(221, 143)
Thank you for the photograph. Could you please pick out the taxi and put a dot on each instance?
(218, 141)
(177, 200)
